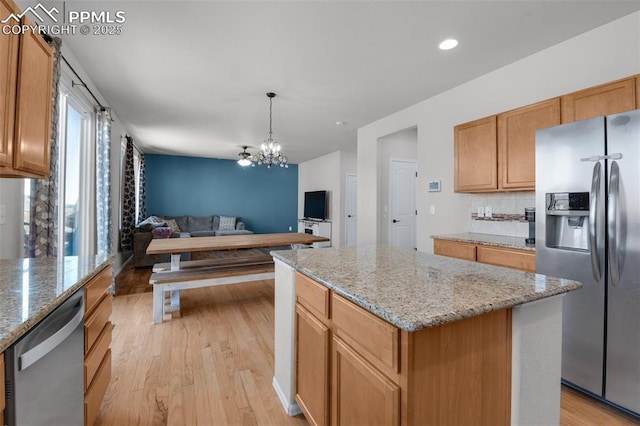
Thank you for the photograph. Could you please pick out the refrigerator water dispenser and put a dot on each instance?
(567, 220)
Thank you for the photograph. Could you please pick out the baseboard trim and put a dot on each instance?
(290, 409)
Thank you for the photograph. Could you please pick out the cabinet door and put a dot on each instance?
(515, 259)
(312, 367)
(517, 142)
(475, 156)
(33, 108)
(360, 394)
(8, 76)
(454, 249)
(610, 98)
(2, 387)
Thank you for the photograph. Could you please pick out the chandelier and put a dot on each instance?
(244, 157)
(270, 154)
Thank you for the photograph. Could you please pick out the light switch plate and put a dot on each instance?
(480, 211)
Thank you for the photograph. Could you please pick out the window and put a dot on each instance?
(76, 171)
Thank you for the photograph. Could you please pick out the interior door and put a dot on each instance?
(402, 203)
(351, 222)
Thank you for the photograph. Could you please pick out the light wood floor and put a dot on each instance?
(214, 365)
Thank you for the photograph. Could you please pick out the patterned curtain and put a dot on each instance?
(43, 223)
(142, 202)
(128, 199)
(103, 180)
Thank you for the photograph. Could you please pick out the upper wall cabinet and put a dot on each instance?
(25, 107)
(517, 142)
(610, 98)
(475, 156)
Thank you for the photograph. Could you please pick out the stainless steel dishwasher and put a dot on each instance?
(44, 370)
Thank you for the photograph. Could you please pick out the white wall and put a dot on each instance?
(12, 230)
(604, 54)
(328, 173)
(404, 145)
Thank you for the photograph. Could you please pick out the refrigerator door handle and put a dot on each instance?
(612, 207)
(593, 208)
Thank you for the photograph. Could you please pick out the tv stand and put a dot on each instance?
(320, 228)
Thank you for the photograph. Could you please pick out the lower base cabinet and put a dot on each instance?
(361, 394)
(524, 260)
(353, 368)
(2, 386)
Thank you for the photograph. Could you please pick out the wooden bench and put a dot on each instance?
(196, 277)
(217, 262)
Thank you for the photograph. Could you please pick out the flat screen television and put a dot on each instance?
(315, 205)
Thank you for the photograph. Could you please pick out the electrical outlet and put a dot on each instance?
(487, 211)
(432, 209)
(480, 211)
(291, 228)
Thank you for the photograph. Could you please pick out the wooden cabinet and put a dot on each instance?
(475, 156)
(360, 393)
(353, 367)
(97, 337)
(524, 260)
(2, 402)
(610, 98)
(517, 142)
(25, 105)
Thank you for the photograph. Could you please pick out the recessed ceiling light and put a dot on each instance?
(448, 44)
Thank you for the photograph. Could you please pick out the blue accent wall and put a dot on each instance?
(266, 200)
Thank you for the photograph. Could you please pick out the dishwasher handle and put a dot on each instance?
(31, 356)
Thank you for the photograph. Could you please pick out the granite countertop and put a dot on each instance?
(414, 290)
(32, 288)
(488, 240)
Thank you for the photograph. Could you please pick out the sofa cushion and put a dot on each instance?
(227, 223)
(199, 223)
(150, 223)
(171, 223)
(233, 232)
(203, 233)
(181, 221)
(161, 232)
(216, 222)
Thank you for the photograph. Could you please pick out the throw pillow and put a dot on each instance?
(161, 232)
(171, 223)
(150, 223)
(227, 223)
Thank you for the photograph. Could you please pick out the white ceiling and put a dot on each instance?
(189, 78)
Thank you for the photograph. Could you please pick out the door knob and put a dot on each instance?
(395, 221)
(349, 215)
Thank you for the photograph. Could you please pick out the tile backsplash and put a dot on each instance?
(507, 211)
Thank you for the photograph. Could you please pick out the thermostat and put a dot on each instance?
(434, 186)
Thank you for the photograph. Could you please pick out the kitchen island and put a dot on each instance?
(412, 338)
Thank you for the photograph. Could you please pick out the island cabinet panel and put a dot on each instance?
(461, 372)
(97, 333)
(312, 295)
(516, 259)
(605, 99)
(312, 367)
(454, 249)
(2, 401)
(517, 142)
(476, 156)
(360, 393)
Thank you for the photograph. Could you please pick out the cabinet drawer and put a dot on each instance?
(95, 356)
(371, 336)
(454, 249)
(312, 295)
(96, 288)
(95, 393)
(516, 259)
(95, 323)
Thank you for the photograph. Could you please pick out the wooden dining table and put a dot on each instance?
(170, 279)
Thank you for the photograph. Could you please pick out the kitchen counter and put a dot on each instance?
(32, 288)
(488, 240)
(414, 290)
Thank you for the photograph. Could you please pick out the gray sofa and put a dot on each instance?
(189, 226)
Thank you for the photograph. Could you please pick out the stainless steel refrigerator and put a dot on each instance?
(588, 229)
